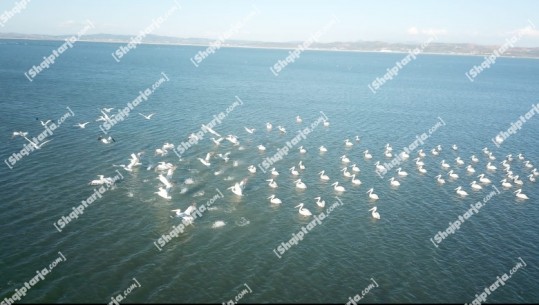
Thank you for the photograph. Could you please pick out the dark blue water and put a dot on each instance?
(113, 241)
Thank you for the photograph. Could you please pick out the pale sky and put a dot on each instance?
(480, 22)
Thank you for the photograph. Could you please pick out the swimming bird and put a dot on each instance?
(505, 183)
(520, 195)
(421, 169)
(163, 193)
(302, 150)
(444, 165)
(357, 139)
(338, 187)
(272, 183)
(355, 181)
(81, 125)
(528, 164)
(251, 169)
(394, 182)
(233, 139)
(186, 215)
(298, 119)
(147, 117)
(345, 172)
(274, 199)
(107, 140)
(374, 213)
(388, 147)
(300, 184)
(261, 147)
(160, 152)
(249, 130)
(167, 146)
(452, 175)
(372, 195)
(321, 203)
(439, 147)
(474, 159)
(454, 146)
(491, 167)
(303, 211)
(355, 168)
(476, 186)
(268, 126)
(404, 155)
(217, 142)
(400, 172)
(326, 123)
(348, 143)
(323, 176)
(274, 172)
(293, 171)
(459, 161)
(461, 192)
(388, 154)
(323, 149)
(281, 129)
(300, 165)
(470, 169)
(345, 159)
(379, 167)
(483, 179)
(367, 155)
(440, 179)
(421, 153)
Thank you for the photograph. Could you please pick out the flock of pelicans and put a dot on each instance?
(166, 170)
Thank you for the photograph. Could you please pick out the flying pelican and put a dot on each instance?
(249, 130)
(394, 182)
(44, 124)
(170, 172)
(81, 125)
(108, 110)
(293, 171)
(404, 155)
(224, 157)
(483, 179)
(303, 211)
(367, 155)
(372, 195)
(505, 183)
(302, 150)
(345, 159)
(19, 133)
(323, 149)
(165, 181)
(535, 172)
(238, 187)
(474, 159)
(268, 126)
(274, 172)
(274, 199)
(218, 141)
(251, 169)
(281, 129)
(470, 169)
(440, 179)
(186, 215)
(459, 161)
(337, 187)
(401, 172)
(272, 183)
(375, 214)
(460, 191)
(491, 167)
(520, 195)
(321, 203)
(107, 140)
(300, 165)
(300, 185)
(205, 161)
(444, 165)
(476, 186)
(323, 176)
(355, 168)
(439, 147)
(348, 143)
(147, 117)
(355, 181)
(298, 119)
(345, 172)
(452, 175)
(163, 193)
(208, 128)
(261, 147)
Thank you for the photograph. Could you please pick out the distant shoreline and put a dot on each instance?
(272, 47)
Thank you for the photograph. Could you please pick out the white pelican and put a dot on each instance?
(302, 150)
(160, 152)
(224, 157)
(388, 154)
(147, 117)
(394, 182)
(323, 149)
(326, 123)
(459, 161)
(476, 186)
(531, 177)
(208, 128)
(421, 169)
(108, 110)
(517, 181)
(268, 126)
(491, 156)
(274, 199)
(323, 176)
(419, 162)
(345, 172)
(107, 140)
(218, 141)
(509, 157)
(379, 167)
(452, 175)
(19, 133)
(474, 159)
(272, 183)
(388, 147)
(520, 156)
(321, 203)
(303, 211)
(528, 164)
(444, 165)
(404, 155)
(44, 124)
(375, 214)
(460, 191)
(470, 169)
(439, 147)
(483, 179)
(298, 119)
(355, 181)
(281, 129)
(300, 165)
(163, 193)
(167, 146)
(372, 195)
(505, 183)
(170, 172)
(440, 179)
(400, 172)
(345, 159)
(274, 172)
(186, 215)
(205, 161)
(249, 130)
(357, 139)
(233, 139)
(434, 152)
(337, 187)
(454, 146)
(367, 155)
(300, 185)
(535, 172)
(165, 181)
(421, 154)
(520, 195)
(348, 143)
(101, 180)
(251, 169)
(485, 150)
(81, 125)
(238, 187)
(293, 171)
(355, 168)
(491, 167)
(163, 166)
(261, 147)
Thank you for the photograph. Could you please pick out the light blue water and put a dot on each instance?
(113, 241)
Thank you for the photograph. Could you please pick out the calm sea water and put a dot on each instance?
(112, 243)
